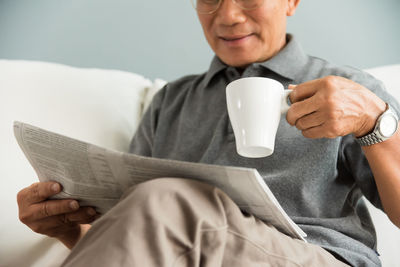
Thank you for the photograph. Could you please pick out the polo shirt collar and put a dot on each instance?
(216, 66)
(289, 62)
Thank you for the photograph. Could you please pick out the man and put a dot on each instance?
(324, 161)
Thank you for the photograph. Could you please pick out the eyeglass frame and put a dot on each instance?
(219, 4)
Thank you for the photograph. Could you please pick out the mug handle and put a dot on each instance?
(285, 99)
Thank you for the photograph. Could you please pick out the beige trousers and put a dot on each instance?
(180, 222)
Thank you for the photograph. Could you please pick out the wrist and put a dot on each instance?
(370, 118)
(386, 126)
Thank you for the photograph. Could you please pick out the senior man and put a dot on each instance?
(337, 143)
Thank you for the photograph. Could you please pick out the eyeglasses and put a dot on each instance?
(210, 6)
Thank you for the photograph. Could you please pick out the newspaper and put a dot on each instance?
(97, 176)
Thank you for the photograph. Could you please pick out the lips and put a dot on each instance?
(235, 41)
(234, 37)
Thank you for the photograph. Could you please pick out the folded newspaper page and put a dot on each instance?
(97, 177)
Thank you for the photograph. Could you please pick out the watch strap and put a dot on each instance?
(369, 139)
(373, 137)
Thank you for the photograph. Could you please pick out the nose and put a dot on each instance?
(230, 14)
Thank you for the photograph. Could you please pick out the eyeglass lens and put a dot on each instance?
(210, 6)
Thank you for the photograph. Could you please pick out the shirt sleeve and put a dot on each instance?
(143, 140)
(356, 165)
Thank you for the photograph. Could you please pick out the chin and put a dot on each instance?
(235, 61)
(237, 58)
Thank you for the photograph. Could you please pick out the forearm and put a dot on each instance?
(384, 161)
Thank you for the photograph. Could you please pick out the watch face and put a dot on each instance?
(388, 125)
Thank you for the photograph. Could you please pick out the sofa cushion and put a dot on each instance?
(99, 106)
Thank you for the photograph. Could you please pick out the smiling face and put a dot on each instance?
(240, 37)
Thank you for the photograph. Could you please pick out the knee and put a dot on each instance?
(176, 196)
(163, 191)
(161, 188)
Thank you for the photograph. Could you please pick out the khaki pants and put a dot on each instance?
(180, 222)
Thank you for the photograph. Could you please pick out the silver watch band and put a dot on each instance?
(376, 136)
(369, 139)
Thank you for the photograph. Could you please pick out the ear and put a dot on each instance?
(292, 6)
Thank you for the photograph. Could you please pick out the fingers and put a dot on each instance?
(68, 207)
(52, 226)
(48, 208)
(300, 109)
(56, 213)
(82, 216)
(324, 130)
(314, 132)
(310, 121)
(304, 100)
(55, 226)
(59, 218)
(37, 192)
(314, 103)
(333, 106)
(304, 90)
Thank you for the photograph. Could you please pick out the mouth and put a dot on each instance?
(235, 40)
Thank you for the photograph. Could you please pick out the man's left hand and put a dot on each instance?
(333, 106)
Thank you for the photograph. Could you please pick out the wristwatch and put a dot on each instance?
(385, 127)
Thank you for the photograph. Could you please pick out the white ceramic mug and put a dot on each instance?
(255, 105)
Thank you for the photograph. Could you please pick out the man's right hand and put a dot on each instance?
(62, 219)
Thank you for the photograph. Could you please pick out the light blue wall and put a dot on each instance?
(164, 39)
(360, 33)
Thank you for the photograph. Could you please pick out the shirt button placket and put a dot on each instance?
(232, 74)
(251, 71)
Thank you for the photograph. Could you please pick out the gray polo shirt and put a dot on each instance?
(319, 182)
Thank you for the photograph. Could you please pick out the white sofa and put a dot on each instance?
(104, 108)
